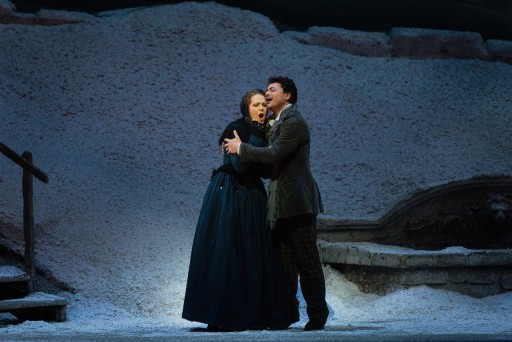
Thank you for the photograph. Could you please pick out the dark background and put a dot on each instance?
(492, 18)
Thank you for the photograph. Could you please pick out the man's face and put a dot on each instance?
(276, 97)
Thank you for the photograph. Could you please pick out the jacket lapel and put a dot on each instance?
(274, 130)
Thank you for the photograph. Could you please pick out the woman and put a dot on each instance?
(234, 282)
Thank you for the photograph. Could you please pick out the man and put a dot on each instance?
(294, 200)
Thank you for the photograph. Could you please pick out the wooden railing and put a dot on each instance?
(29, 170)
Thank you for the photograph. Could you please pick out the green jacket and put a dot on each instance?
(292, 190)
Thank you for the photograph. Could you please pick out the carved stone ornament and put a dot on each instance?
(474, 213)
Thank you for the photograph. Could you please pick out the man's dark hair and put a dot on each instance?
(287, 84)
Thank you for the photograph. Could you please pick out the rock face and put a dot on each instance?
(370, 44)
(423, 43)
(7, 8)
(408, 42)
(8, 15)
(491, 18)
(499, 50)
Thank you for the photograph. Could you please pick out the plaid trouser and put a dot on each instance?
(298, 253)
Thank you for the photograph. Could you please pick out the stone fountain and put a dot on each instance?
(456, 236)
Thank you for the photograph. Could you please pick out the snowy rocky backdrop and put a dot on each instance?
(123, 111)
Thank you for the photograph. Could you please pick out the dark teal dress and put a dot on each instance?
(234, 280)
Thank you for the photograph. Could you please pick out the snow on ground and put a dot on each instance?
(123, 112)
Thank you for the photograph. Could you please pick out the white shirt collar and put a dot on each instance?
(279, 115)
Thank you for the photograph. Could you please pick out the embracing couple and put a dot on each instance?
(250, 250)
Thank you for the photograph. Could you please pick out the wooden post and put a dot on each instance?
(28, 220)
(23, 163)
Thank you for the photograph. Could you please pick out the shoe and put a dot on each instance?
(311, 326)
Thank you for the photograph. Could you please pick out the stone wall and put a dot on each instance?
(408, 43)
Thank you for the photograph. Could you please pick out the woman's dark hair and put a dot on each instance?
(246, 101)
(287, 84)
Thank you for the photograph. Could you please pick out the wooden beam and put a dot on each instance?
(23, 163)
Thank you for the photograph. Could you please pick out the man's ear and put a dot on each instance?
(287, 96)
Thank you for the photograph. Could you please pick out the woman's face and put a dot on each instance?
(258, 108)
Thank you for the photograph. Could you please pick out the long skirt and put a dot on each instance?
(234, 280)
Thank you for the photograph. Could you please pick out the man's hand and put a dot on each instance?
(231, 145)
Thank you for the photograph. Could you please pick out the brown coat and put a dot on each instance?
(288, 154)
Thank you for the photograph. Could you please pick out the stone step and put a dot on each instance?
(14, 283)
(381, 269)
(37, 306)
